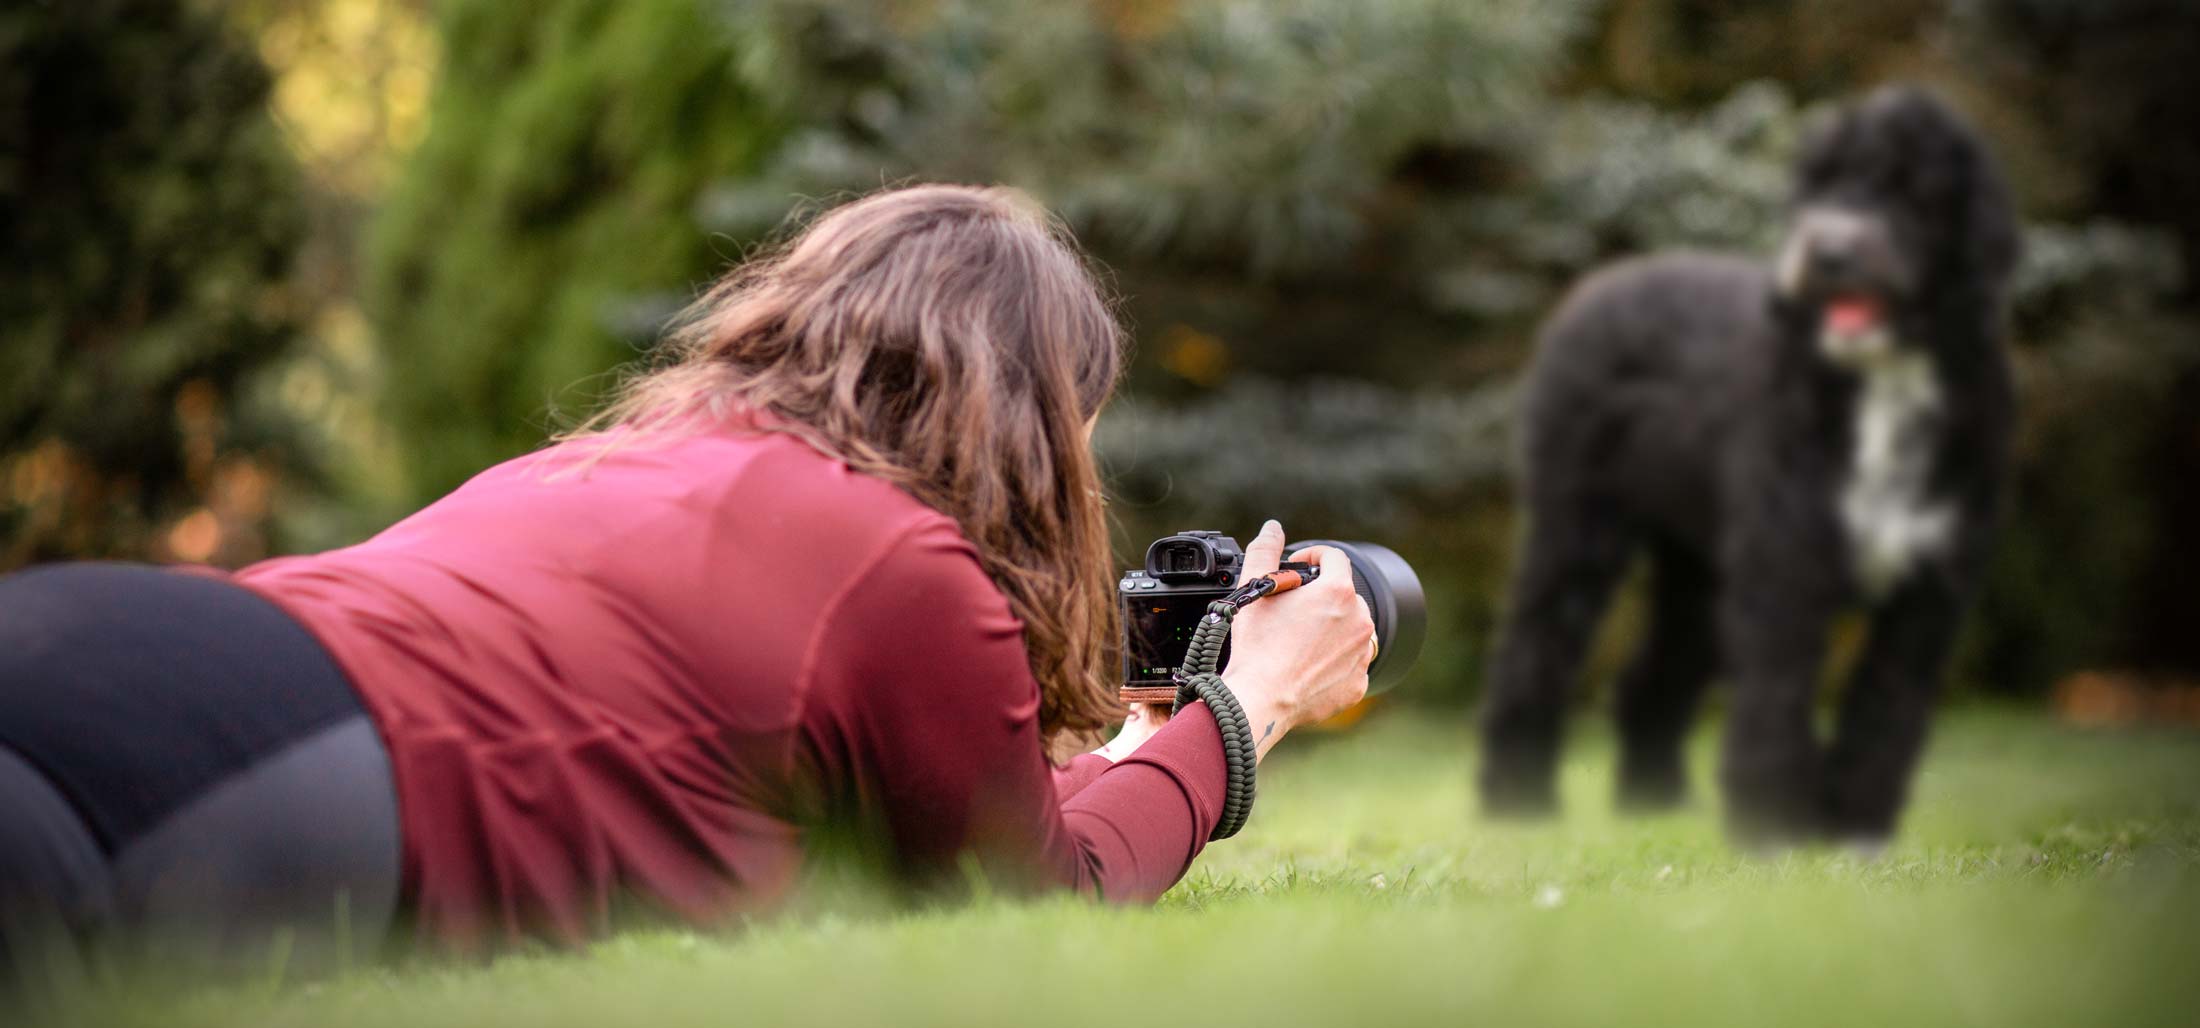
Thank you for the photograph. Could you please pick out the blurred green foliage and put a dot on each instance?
(148, 215)
(1274, 182)
(2110, 89)
(551, 202)
(1264, 136)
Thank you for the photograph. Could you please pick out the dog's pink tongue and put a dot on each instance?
(1849, 315)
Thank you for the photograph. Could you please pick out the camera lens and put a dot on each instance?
(1392, 592)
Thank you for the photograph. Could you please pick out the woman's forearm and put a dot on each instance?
(1138, 825)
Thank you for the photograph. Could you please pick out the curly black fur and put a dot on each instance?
(1685, 407)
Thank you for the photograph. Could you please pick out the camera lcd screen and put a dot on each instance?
(1160, 628)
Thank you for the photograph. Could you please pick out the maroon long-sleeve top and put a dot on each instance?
(664, 668)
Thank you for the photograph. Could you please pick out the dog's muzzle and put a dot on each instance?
(1834, 250)
(1844, 263)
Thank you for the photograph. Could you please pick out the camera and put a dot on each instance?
(1164, 601)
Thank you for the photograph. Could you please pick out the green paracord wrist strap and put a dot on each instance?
(1198, 680)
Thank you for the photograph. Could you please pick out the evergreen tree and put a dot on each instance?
(1276, 182)
(547, 221)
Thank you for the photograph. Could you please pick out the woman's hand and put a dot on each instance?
(1145, 719)
(1300, 656)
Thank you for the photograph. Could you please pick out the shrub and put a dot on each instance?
(148, 214)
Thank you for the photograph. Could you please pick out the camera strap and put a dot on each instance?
(1200, 680)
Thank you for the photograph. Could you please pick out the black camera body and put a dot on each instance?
(1163, 602)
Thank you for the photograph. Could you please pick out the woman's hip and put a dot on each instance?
(178, 755)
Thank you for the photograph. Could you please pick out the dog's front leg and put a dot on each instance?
(1772, 628)
(1887, 707)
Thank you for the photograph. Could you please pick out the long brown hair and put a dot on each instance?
(952, 341)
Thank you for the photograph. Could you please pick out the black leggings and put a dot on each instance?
(181, 766)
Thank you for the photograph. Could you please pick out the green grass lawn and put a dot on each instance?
(2045, 876)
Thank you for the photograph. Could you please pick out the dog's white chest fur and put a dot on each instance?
(1885, 508)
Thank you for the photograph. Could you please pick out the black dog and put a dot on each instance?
(1783, 443)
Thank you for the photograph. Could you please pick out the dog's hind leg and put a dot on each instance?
(1887, 707)
(1570, 561)
(1654, 701)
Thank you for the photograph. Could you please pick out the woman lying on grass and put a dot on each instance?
(839, 570)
